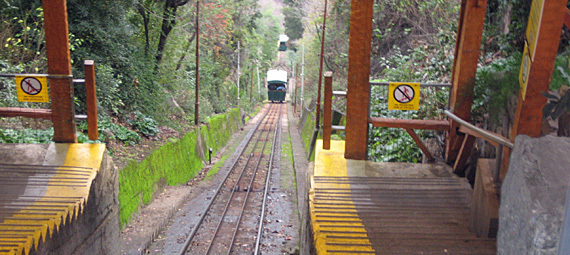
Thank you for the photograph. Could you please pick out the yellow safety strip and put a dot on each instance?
(337, 228)
(66, 192)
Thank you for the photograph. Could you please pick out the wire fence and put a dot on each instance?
(394, 144)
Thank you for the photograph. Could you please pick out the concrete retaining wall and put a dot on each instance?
(96, 230)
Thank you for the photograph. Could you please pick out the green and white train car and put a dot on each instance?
(276, 85)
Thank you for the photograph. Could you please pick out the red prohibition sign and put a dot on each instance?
(31, 86)
(404, 93)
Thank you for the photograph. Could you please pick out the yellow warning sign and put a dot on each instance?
(404, 96)
(533, 27)
(32, 89)
(525, 70)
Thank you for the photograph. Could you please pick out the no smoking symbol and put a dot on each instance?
(404, 94)
(31, 86)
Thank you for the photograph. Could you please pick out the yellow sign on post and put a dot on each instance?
(32, 89)
(404, 96)
(525, 70)
(533, 27)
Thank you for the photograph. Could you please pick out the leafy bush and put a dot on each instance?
(393, 145)
(495, 86)
(145, 124)
(26, 135)
(118, 132)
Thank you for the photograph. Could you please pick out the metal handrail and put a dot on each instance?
(54, 76)
(382, 83)
(484, 133)
(489, 137)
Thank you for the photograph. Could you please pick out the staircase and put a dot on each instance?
(393, 215)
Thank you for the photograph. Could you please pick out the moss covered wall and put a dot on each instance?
(173, 164)
(307, 132)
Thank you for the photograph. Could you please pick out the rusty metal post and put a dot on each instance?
(327, 114)
(91, 100)
(358, 87)
(197, 107)
(251, 86)
(318, 114)
(59, 63)
(469, 35)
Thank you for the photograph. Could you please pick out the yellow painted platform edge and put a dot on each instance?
(78, 155)
(331, 163)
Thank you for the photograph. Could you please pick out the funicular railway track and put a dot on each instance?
(241, 195)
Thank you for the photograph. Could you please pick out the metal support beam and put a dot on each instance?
(59, 63)
(467, 50)
(197, 100)
(358, 87)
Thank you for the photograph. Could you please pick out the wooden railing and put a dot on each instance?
(91, 101)
(407, 124)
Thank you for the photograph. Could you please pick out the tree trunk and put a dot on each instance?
(188, 44)
(168, 22)
(143, 12)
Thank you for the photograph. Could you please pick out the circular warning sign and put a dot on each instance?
(404, 93)
(31, 86)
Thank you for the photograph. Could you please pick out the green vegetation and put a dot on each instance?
(307, 132)
(144, 57)
(172, 164)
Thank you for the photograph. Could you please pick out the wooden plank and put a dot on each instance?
(25, 112)
(59, 63)
(485, 209)
(327, 115)
(464, 153)
(412, 124)
(358, 87)
(528, 116)
(420, 144)
(91, 100)
(470, 33)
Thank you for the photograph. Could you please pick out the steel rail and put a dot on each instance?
(254, 175)
(481, 132)
(233, 191)
(262, 218)
(218, 189)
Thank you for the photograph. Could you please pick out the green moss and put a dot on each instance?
(307, 132)
(172, 164)
(218, 165)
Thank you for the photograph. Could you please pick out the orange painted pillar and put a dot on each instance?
(467, 48)
(358, 87)
(91, 100)
(528, 117)
(59, 64)
(327, 112)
